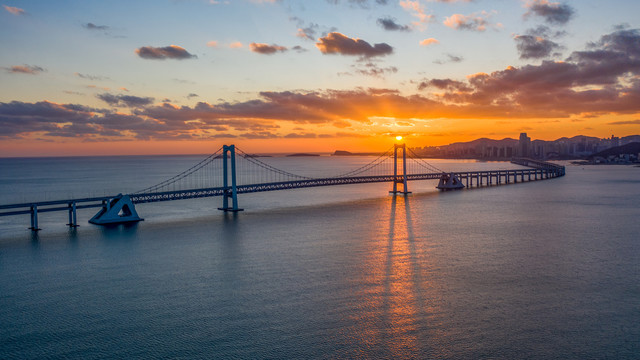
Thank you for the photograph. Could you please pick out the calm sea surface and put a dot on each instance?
(540, 270)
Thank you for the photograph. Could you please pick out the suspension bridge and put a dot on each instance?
(230, 171)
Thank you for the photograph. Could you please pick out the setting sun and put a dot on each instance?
(398, 137)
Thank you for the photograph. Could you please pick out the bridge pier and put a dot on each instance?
(34, 218)
(73, 220)
(230, 192)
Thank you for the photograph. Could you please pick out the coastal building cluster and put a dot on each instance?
(577, 147)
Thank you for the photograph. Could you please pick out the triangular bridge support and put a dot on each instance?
(117, 210)
(400, 179)
(230, 192)
(449, 182)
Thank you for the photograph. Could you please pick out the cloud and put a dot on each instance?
(362, 3)
(212, 43)
(536, 47)
(337, 43)
(417, 10)
(24, 69)
(552, 12)
(390, 24)
(429, 41)
(629, 122)
(603, 79)
(372, 69)
(92, 26)
(192, 95)
(450, 59)
(235, 45)
(308, 33)
(445, 84)
(162, 53)
(266, 49)
(125, 100)
(91, 77)
(474, 22)
(299, 49)
(14, 10)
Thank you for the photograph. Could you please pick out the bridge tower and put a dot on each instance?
(402, 179)
(229, 191)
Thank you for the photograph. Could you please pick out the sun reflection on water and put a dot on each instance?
(400, 314)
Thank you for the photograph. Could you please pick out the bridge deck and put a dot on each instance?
(84, 203)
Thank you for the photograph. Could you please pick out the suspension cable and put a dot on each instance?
(422, 162)
(206, 161)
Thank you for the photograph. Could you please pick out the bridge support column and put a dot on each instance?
(34, 218)
(229, 191)
(402, 180)
(73, 220)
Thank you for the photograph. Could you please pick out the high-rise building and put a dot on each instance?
(524, 145)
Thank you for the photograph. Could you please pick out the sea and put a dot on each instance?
(536, 270)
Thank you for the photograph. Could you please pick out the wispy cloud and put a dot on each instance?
(92, 26)
(417, 10)
(450, 59)
(474, 22)
(15, 10)
(162, 53)
(91, 77)
(125, 100)
(24, 69)
(628, 122)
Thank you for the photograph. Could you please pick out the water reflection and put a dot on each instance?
(405, 306)
(124, 232)
(35, 239)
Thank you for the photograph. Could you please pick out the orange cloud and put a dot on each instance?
(429, 41)
(14, 10)
(235, 45)
(24, 69)
(266, 49)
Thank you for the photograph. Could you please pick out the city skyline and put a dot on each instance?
(182, 76)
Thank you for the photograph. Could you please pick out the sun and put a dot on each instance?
(398, 137)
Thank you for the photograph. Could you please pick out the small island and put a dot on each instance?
(255, 156)
(349, 153)
(302, 155)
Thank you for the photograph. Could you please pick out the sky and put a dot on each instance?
(186, 76)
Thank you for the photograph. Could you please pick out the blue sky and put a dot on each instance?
(92, 54)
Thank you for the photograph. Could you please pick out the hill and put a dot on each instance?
(631, 148)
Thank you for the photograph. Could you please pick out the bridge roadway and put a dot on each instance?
(500, 176)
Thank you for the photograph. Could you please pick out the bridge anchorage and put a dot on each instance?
(230, 171)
